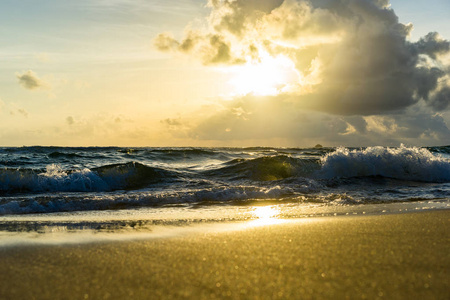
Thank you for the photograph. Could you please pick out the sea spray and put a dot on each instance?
(415, 164)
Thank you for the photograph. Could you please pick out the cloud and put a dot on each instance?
(70, 120)
(361, 80)
(353, 57)
(23, 112)
(165, 42)
(13, 109)
(433, 45)
(212, 49)
(264, 119)
(172, 122)
(235, 16)
(31, 81)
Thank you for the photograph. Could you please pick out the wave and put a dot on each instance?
(236, 195)
(58, 154)
(268, 168)
(364, 172)
(441, 149)
(55, 179)
(403, 163)
(111, 201)
(132, 175)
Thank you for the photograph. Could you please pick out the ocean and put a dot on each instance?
(62, 190)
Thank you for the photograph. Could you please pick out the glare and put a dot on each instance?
(269, 76)
(266, 215)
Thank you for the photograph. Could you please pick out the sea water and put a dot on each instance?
(54, 191)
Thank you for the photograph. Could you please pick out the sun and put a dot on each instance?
(269, 76)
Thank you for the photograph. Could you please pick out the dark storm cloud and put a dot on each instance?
(432, 45)
(441, 99)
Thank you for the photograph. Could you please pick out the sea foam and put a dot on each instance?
(130, 175)
(404, 163)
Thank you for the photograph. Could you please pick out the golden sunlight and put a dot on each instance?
(269, 76)
(266, 215)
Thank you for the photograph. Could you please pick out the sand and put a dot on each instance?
(398, 256)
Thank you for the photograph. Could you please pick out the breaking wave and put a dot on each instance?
(403, 163)
(54, 178)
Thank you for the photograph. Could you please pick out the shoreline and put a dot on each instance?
(393, 256)
(68, 228)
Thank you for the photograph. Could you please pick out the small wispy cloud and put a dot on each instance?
(23, 112)
(15, 111)
(30, 81)
(70, 120)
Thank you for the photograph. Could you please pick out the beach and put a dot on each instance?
(392, 256)
(225, 149)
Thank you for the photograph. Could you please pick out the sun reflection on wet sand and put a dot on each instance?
(266, 215)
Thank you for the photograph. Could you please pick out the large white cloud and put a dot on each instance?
(353, 57)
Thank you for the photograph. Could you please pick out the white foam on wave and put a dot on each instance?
(404, 163)
(53, 179)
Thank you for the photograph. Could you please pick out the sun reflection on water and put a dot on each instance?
(266, 215)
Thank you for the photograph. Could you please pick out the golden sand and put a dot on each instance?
(401, 256)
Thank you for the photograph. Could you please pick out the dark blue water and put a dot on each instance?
(60, 179)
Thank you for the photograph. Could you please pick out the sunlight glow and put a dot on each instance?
(266, 216)
(269, 76)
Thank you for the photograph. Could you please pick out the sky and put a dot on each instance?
(278, 73)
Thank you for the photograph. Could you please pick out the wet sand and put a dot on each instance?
(399, 256)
